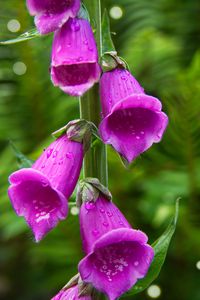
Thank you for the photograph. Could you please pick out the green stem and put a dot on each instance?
(95, 162)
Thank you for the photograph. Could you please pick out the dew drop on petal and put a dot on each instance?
(105, 224)
(49, 152)
(55, 153)
(90, 205)
(109, 214)
(95, 232)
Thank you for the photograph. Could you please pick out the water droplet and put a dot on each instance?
(55, 153)
(85, 42)
(138, 137)
(75, 26)
(90, 48)
(136, 263)
(69, 155)
(90, 205)
(95, 232)
(102, 210)
(142, 132)
(105, 224)
(44, 183)
(43, 166)
(60, 162)
(109, 214)
(121, 223)
(123, 77)
(80, 58)
(49, 152)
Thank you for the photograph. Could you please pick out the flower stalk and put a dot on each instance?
(95, 162)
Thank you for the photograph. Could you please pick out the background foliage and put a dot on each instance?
(160, 41)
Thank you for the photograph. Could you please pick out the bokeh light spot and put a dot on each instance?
(74, 211)
(198, 265)
(116, 12)
(19, 68)
(154, 291)
(13, 25)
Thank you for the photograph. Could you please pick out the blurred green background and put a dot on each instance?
(160, 40)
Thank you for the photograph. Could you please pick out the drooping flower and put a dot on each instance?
(132, 121)
(74, 66)
(69, 294)
(52, 14)
(116, 255)
(40, 193)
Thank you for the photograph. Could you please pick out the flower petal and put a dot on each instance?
(133, 121)
(33, 197)
(75, 79)
(74, 66)
(97, 219)
(118, 260)
(52, 14)
(133, 125)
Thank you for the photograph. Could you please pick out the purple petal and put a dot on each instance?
(74, 65)
(133, 121)
(51, 15)
(118, 260)
(61, 163)
(33, 197)
(98, 218)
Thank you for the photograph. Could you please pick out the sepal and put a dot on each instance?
(89, 190)
(79, 131)
(109, 58)
(84, 289)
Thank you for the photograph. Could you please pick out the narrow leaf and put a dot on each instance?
(107, 43)
(23, 161)
(31, 34)
(160, 249)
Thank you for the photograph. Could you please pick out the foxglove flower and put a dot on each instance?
(74, 66)
(116, 255)
(40, 193)
(132, 121)
(52, 14)
(70, 294)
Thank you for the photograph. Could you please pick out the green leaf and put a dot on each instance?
(23, 161)
(107, 43)
(160, 249)
(31, 34)
(109, 58)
